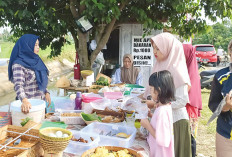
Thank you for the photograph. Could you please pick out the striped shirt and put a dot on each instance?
(25, 84)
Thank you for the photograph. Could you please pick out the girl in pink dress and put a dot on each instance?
(161, 138)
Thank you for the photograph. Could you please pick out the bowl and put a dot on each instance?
(85, 73)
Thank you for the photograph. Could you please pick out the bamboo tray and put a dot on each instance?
(30, 142)
(132, 152)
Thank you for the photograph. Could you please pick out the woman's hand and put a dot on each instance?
(26, 106)
(228, 105)
(48, 98)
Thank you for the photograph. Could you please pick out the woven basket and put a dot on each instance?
(102, 75)
(54, 144)
(85, 73)
(120, 85)
(111, 148)
(95, 88)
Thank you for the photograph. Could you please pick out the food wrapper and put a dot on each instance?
(134, 104)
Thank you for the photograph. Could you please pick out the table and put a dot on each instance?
(74, 89)
(140, 143)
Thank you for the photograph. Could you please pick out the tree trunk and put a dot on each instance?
(82, 51)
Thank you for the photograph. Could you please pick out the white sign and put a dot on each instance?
(142, 51)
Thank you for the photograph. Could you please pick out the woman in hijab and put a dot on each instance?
(169, 55)
(195, 102)
(28, 72)
(128, 73)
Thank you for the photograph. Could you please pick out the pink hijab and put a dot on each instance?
(175, 61)
(195, 91)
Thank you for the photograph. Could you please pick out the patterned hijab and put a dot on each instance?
(129, 75)
(23, 54)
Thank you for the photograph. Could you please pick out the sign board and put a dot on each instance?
(142, 51)
(83, 24)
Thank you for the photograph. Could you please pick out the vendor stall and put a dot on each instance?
(107, 122)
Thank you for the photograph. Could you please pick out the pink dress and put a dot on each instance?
(163, 145)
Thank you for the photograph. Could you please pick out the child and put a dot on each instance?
(161, 138)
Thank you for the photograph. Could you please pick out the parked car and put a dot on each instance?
(205, 54)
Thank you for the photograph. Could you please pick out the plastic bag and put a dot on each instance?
(218, 109)
(101, 104)
(134, 104)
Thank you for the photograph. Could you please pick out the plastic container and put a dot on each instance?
(86, 99)
(78, 148)
(113, 95)
(71, 120)
(37, 111)
(64, 103)
(78, 101)
(108, 131)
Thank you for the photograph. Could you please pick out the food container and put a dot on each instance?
(71, 116)
(54, 144)
(37, 111)
(95, 88)
(111, 148)
(78, 148)
(64, 103)
(113, 95)
(30, 141)
(107, 132)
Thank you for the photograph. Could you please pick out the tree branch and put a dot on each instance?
(73, 8)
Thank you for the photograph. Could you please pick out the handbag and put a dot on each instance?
(77, 72)
(5, 118)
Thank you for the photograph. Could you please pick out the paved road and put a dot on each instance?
(3, 61)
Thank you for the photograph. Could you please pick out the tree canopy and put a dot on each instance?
(218, 35)
(52, 19)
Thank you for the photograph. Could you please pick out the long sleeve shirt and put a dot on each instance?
(221, 85)
(178, 107)
(116, 78)
(25, 84)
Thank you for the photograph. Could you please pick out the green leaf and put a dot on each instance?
(46, 23)
(90, 117)
(95, 1)
(16, 13)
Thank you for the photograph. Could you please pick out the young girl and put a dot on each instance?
(161, 138)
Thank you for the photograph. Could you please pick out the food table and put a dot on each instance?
(140, 143)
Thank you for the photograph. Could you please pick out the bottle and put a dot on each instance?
(78, 101)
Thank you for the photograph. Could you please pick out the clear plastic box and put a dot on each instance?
(64, 103)
(107, 132)
(78, 148)
(71, 120)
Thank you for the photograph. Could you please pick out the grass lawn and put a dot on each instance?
(206, 133)
(6, 48)
(68, 52)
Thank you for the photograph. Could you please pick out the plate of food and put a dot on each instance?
(111, 151)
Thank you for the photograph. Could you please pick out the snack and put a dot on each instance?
(103, 152)
(79, 140)
(70, 114)
(123, 135)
